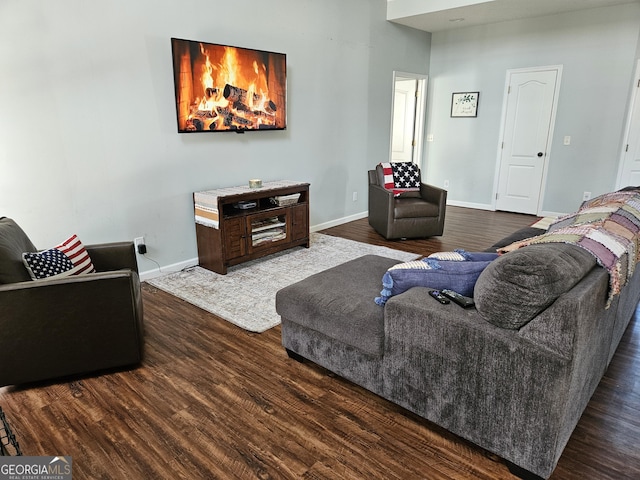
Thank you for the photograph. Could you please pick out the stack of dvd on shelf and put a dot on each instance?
(268, 230)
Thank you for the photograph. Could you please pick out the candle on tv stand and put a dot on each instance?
(255, 183)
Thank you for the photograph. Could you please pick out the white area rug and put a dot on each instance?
(246, 295)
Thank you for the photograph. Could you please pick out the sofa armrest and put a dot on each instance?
(113, 256)
(55, 328)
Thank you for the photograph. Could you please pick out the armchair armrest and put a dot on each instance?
(113, 256)
(380, 199)
(434, 195)
(381, 205)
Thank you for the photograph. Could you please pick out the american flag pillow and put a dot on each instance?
(68, 258)
(401, 177)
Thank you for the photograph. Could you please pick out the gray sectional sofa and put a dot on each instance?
(513, 383)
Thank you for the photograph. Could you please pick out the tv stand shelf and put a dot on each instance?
(227, 234)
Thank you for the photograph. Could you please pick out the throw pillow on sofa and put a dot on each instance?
(522, 283)
(456, 275)
(68, 258)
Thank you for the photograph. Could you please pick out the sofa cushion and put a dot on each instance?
(13, 242)
(68, 258)
(414, 208)
(454, 275)
(520, 284)
(337, 302)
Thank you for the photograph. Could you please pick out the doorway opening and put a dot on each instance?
(408, 117)
(629, 167)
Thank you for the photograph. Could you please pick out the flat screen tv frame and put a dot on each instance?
(222, 88)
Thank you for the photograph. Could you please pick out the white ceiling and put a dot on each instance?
(437, 15)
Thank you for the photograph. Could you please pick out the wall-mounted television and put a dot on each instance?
(220, 88)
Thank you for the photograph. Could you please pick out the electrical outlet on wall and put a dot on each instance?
(139, 245)
(355, 196)
(446, 184)
(586, 196)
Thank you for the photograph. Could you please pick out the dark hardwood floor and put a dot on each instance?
(473, 230)
(214, 401)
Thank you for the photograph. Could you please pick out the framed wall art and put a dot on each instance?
(464, 104)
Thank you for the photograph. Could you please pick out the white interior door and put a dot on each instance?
(404, 114)
(530, 101)
(630, 162)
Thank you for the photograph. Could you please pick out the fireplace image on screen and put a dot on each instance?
(222, 88)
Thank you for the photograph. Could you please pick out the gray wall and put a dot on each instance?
(88, 140)
(598, 51)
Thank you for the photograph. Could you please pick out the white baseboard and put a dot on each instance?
(477, 206)
(551, 214)
(483, 206)
(339, 221)
(158, 271)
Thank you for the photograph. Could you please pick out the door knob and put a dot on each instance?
(540, 154)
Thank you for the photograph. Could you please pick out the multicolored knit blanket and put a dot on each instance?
(401, 177)
(608, 227)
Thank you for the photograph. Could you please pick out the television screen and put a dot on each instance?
(222, 88)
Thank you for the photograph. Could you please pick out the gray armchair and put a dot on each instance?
(410, 215)
(67, 326)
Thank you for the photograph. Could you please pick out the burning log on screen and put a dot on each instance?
(239, 98)
(241, 107)
(199, 119)
(229, 118)
(244, 110)
(211, 92)
(204, 114)
(270, 107)
(194, 125)
(237, 94)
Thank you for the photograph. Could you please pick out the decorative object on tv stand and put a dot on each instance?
(220, 88)
(464, 104)
(255, 183)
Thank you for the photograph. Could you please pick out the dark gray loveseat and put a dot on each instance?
(516, 392)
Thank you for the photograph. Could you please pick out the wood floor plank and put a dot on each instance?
(212, 401)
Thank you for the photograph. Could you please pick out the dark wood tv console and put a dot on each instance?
(230, 229)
